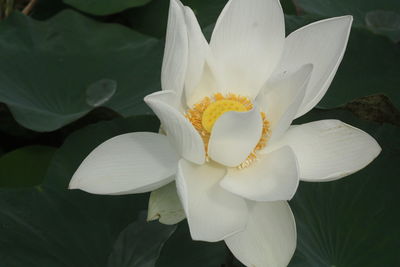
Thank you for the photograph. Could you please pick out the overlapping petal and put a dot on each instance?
(281, 99)
(206, 87)
(126, 164)
(330, 149)
(198, 51)
(269, 238)
(322, 44)
(212, 212)
(180, 131)
(176, 50)
(273, 177)
(247, 43)
(234, 136)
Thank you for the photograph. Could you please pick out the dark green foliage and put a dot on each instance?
(47, 67)
(104, 7)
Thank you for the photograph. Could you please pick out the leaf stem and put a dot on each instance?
(27, 10)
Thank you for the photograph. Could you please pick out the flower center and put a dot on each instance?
(205, 113)
(216, 109)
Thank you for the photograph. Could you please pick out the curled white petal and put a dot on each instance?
(322, 44)
(234, 136)
(281, 99)
(180, 131)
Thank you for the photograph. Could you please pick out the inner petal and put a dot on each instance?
(204, 114)
(216, 109)
(234, 137)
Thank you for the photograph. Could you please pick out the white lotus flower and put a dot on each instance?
(226, 108)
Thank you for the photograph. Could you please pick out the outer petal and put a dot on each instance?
(323, 44)
(269, 238)
(198, 50)
(247, 43)
(282, 97)
(274, 177)
(129, 163)
(176, 50)
(234, 136)
(213, 213)
(180, 131)
(330, 149)
(164, 205)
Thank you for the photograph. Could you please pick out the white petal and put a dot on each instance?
(212, 213)
(129, 163)
(165, 206)
(198, 50)
(269, 238)
(247, 44)
(281, 99)
(180, 131)
(273, 177)
(322, 44)
(206, 87)
(176, 50)
(330, 149)
(234, 136)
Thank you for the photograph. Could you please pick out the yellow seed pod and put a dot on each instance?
(216, 109)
